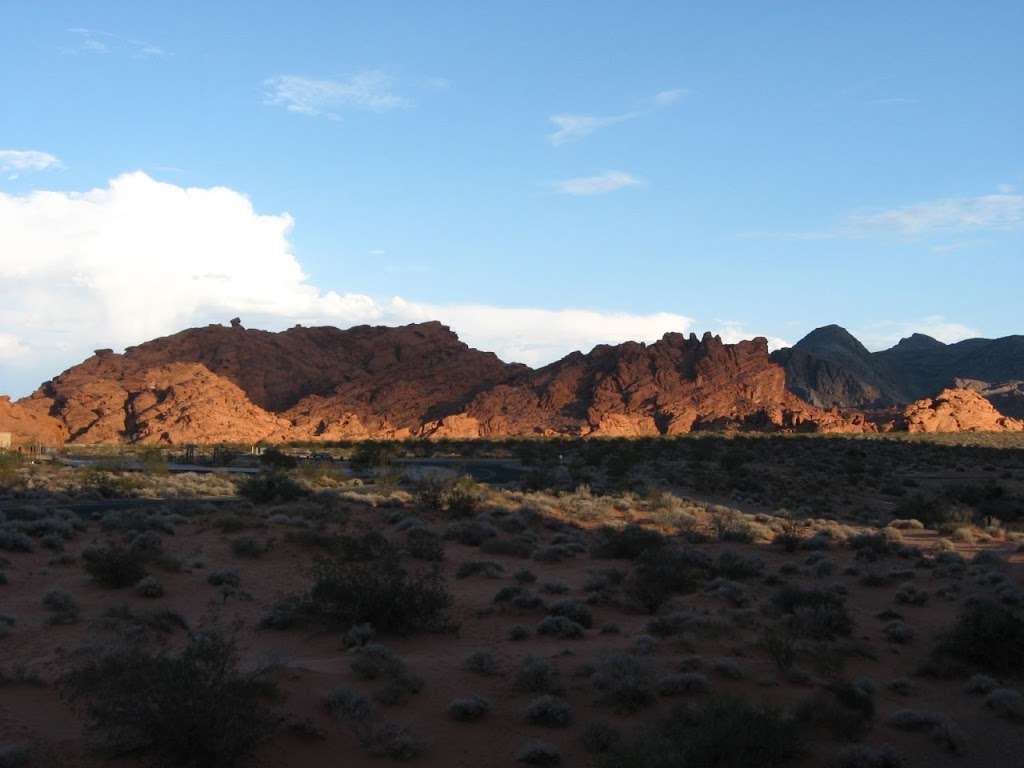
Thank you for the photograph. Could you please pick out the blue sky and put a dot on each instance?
(754, 168)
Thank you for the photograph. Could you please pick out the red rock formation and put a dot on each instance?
(229, 384)
(28, 426)
(955, 410)
(675, 385)
(221, 383)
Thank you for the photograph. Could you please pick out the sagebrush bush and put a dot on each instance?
(623, 682)
(62, 606)
(366, 582)
(549, 711)
(150, 586)
(815, 613)
(469, 709)
(536, 752)
(985, 636)
(536, 675)
(271, 487)
(724, 733)
(113, 566)
(482, 663)
(198, 710)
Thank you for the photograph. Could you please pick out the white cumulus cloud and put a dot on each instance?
(609, 181)
(141, 258)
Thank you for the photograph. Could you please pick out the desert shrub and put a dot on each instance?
(113, 566)
(573, 610)
(985, 636)
(224, 577)
(724, 733)
(488, 568)
(524, 576)
(663, 572)
(536, 675)
(627, 543)
(559, 626)
(549, 711)
(359, 635)
(981, 684)
(482, 663)
(683, 682)
(942, 731)
(377, 662)
(422, 543)
(1006, 702)
(732, 565)
(14, 755)
(518, 632)
(898, 632)
(846, 709)
(623, 682)
(62, 606)
(864, 756)
(371, 585)
(815, 613)
(599, 738)
(150, 586)
(250, 547)
(908, 594)
(729, 667)
(471, 533)
(781, 647)
(469, 709)
(7, 624)
(555, 587)
(199, 709)
(536, 752)
(271, 488)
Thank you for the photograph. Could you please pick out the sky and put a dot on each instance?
(540, 176)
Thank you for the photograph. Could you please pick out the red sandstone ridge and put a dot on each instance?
(27, 426)
(230, 384)
(673, 386)
(956, 410)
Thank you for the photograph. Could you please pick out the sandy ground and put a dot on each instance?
(316, 662)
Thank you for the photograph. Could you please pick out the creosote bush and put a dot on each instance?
(985, 636)
(367, 582)
(198, 711)
(113, 566)
(724, 733)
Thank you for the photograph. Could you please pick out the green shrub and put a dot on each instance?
(724, 733)
(198, 710)
(114, 566)
(366, 582)
(985, 636)
(271, 487)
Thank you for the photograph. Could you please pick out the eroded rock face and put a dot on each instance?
(678, 384)
(956, 410)
(28, 426)
(230, 384)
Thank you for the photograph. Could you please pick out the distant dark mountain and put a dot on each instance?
(830, 367)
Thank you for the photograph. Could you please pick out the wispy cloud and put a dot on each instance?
(99, 42)
(996, 211)
(609, 181)
(1003, 210)
(669, 97)
(571, 127)
(370, 90)
(14, 162)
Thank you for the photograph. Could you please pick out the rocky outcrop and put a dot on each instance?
(27, 426)
(230, 384)
(678, 384)
(955, 410)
